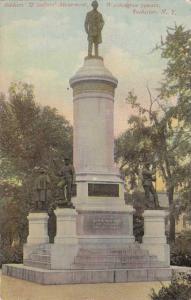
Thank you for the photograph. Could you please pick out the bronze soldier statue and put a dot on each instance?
(148, 177)
(93, 26)
(68, 179)
(41, 188)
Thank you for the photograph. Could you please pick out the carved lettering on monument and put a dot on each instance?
(103, 223)
(107, 222)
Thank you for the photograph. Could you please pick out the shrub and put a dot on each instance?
(138, 221)
(138, 227)
(179, 289)
(180, 257)
(11, 255)
(180, 250)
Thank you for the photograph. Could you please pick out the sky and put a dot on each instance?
(43, 42)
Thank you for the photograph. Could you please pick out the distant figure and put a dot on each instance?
(93, 25)
(148, 177)
(68, 179)
(41, 187)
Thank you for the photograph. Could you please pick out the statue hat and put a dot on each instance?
(95, 3)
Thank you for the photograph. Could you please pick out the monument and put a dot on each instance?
(94, 241)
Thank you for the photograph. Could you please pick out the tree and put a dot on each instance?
(150, 139)
(160, 132)
(30, 136)
(177, 83)
(177, 75)
(13, 213)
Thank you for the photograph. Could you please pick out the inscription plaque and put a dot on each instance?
(103, 190)
(107, 222)
(103, 223)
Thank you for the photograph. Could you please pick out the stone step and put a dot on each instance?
(37, 264)
(113, 259)
(106, 252)
(40, 257)
(95, 254)
(111, 255)
(109, 266)
(43, 251)
(132, 257)
(116, 255)
(87, 276)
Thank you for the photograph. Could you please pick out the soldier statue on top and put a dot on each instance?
(93, 26)
(148, 176)
(65, 185)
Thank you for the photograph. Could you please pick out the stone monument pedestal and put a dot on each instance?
(66, 226)
(154, 238)
(38, 228)
(105, 228)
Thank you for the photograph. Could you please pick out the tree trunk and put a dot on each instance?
(171, 218)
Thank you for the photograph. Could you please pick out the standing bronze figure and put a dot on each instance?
(41, 188)
(65, 185)
(93, 26)
(148, 177)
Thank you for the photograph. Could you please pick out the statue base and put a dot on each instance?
(154, 239)
(96, 247)
(38, 228)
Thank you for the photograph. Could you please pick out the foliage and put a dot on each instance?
(150, 138)
(177, 85)
(177, 80)
(13, 213)
(179, 289)
(159, 133)
(31, 136)
(180, 250)
(138, 227)
(11, 255)
(183, 203)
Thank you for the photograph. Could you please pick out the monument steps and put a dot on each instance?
(115, 259)
(37, 264)
(111, 258)
(86, 276)
(40, 257)
(132, 257)
(116, 265)
(135, 250)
